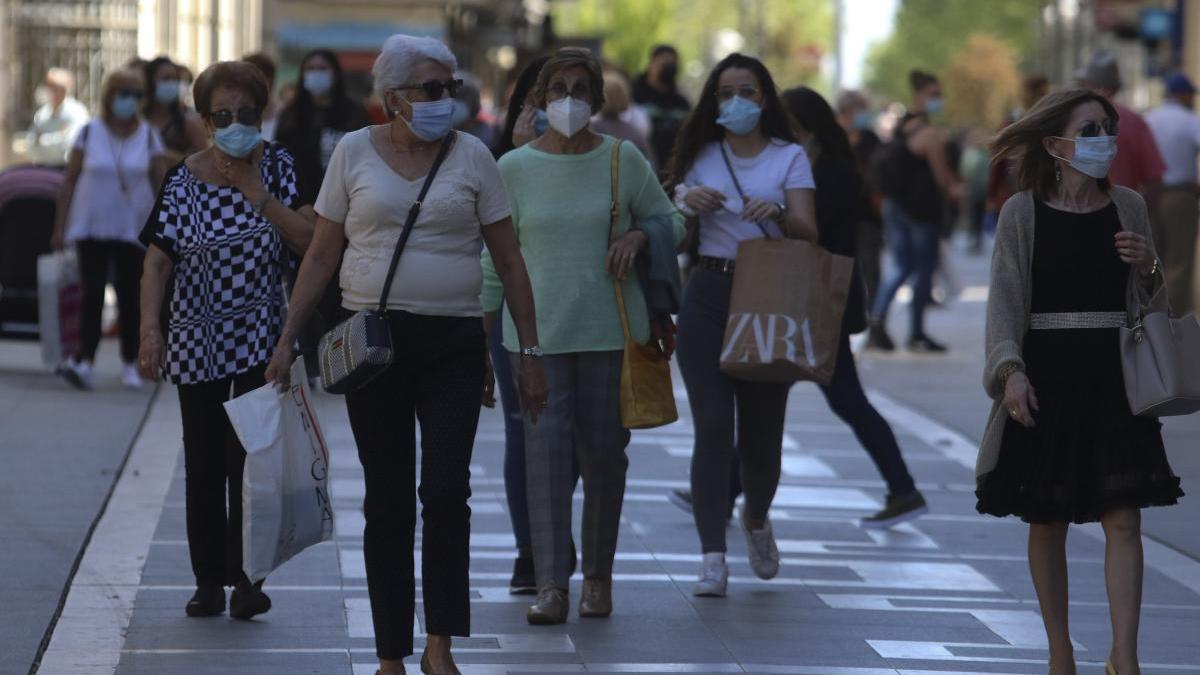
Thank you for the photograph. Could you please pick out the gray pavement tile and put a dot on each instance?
(223, 663)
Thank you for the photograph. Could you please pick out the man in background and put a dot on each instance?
(656, 91)
(1176, 130)
(855, 116)
(1138, 164)
(58, 118)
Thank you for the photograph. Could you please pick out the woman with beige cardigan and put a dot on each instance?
(1072, 253)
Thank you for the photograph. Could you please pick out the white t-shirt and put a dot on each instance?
(1176, 131)
(112, 202)
(439, 272)
(53, 130)
(781, 166)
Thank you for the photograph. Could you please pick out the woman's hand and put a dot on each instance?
(761, 211)
(535, 392)
(662, 331)
(1132, 248)
(489, 381)
(703, 199)
(246, 177)
(623, 252)
(1019, 399)
(150, 354)
(525, 129)
(279, 369)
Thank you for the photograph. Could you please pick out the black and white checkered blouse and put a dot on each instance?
(227, 303)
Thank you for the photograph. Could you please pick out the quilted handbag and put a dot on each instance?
(359, 349)
(647, 395)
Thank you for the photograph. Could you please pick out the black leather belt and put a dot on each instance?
(722, 265)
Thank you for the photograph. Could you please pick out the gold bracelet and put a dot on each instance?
(1006, 371)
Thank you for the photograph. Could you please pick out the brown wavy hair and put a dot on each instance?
(1021, 141)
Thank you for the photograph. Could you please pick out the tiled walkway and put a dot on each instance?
(948, 594)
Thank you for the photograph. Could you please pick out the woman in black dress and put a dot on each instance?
(1062, 445)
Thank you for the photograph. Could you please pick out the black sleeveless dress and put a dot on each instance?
(1088, 454)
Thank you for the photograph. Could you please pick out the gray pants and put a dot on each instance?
(583, 420)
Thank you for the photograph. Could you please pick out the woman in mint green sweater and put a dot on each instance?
(560, 189)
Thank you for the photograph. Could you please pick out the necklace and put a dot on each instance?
(116, 155)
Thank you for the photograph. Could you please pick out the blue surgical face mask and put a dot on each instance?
(166, 91)
(739, 116)
(237, 139)
(431, 120)
(1093, 154)
(125, 108)
(541, 121)
(863, 120)
(461, 113)
(933, 106)
(318, 82)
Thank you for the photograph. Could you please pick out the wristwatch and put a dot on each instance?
(259, 206)
(534, 352)
(782, 211)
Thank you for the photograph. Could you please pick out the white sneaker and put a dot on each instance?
(714, 577)
(77, 373)
(130, 377)
(760, 544)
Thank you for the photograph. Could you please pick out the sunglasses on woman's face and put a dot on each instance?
(1092, 128)
(223, 118)
(435, 88)
(131, 93)
(745, 91)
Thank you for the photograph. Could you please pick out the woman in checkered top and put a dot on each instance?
(221, 225)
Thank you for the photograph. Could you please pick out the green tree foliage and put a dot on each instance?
(981, 83)
(796, 34)
(928, 34)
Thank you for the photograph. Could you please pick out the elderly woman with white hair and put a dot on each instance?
(440, 365)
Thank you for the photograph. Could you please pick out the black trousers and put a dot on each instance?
(96, 257)
(436, 379)
(846, 398)
(213, 462)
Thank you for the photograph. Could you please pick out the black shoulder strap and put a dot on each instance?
(412, 218)
(738, 186)
(273, 163)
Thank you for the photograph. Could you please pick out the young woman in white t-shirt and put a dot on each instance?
(113, 171)
(739, 114)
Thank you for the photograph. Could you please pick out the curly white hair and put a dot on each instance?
(401, 53)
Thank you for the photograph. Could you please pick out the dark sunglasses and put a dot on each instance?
(1092, 128)
(223, 118)
(434, 88)
(133, 93)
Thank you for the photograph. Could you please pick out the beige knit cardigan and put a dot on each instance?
(1009, 296)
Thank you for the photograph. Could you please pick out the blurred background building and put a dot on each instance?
(92, 37)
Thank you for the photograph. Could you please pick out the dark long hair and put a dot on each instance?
(701, 126)
(303, 105)
(149, 100)
(814, 115)
(1021, 141)
(524, 85)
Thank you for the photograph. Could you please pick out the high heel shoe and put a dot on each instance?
(1109, 668)
(428, 670)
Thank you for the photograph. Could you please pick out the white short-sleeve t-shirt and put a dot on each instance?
(439, 272)
(781, 166)
(113, 195)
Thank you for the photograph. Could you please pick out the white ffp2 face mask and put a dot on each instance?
(569, 115)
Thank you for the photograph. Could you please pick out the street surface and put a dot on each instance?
(949, 593)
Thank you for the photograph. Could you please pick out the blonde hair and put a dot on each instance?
(616, 94)
(114, 81)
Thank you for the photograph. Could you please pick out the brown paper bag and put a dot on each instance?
(785, 314)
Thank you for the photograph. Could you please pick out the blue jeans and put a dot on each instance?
(514, 437)
(914, 246)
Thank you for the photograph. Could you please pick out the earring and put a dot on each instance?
(1057, 172)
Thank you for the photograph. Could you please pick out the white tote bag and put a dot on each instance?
(60, 306)
(285, 486)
